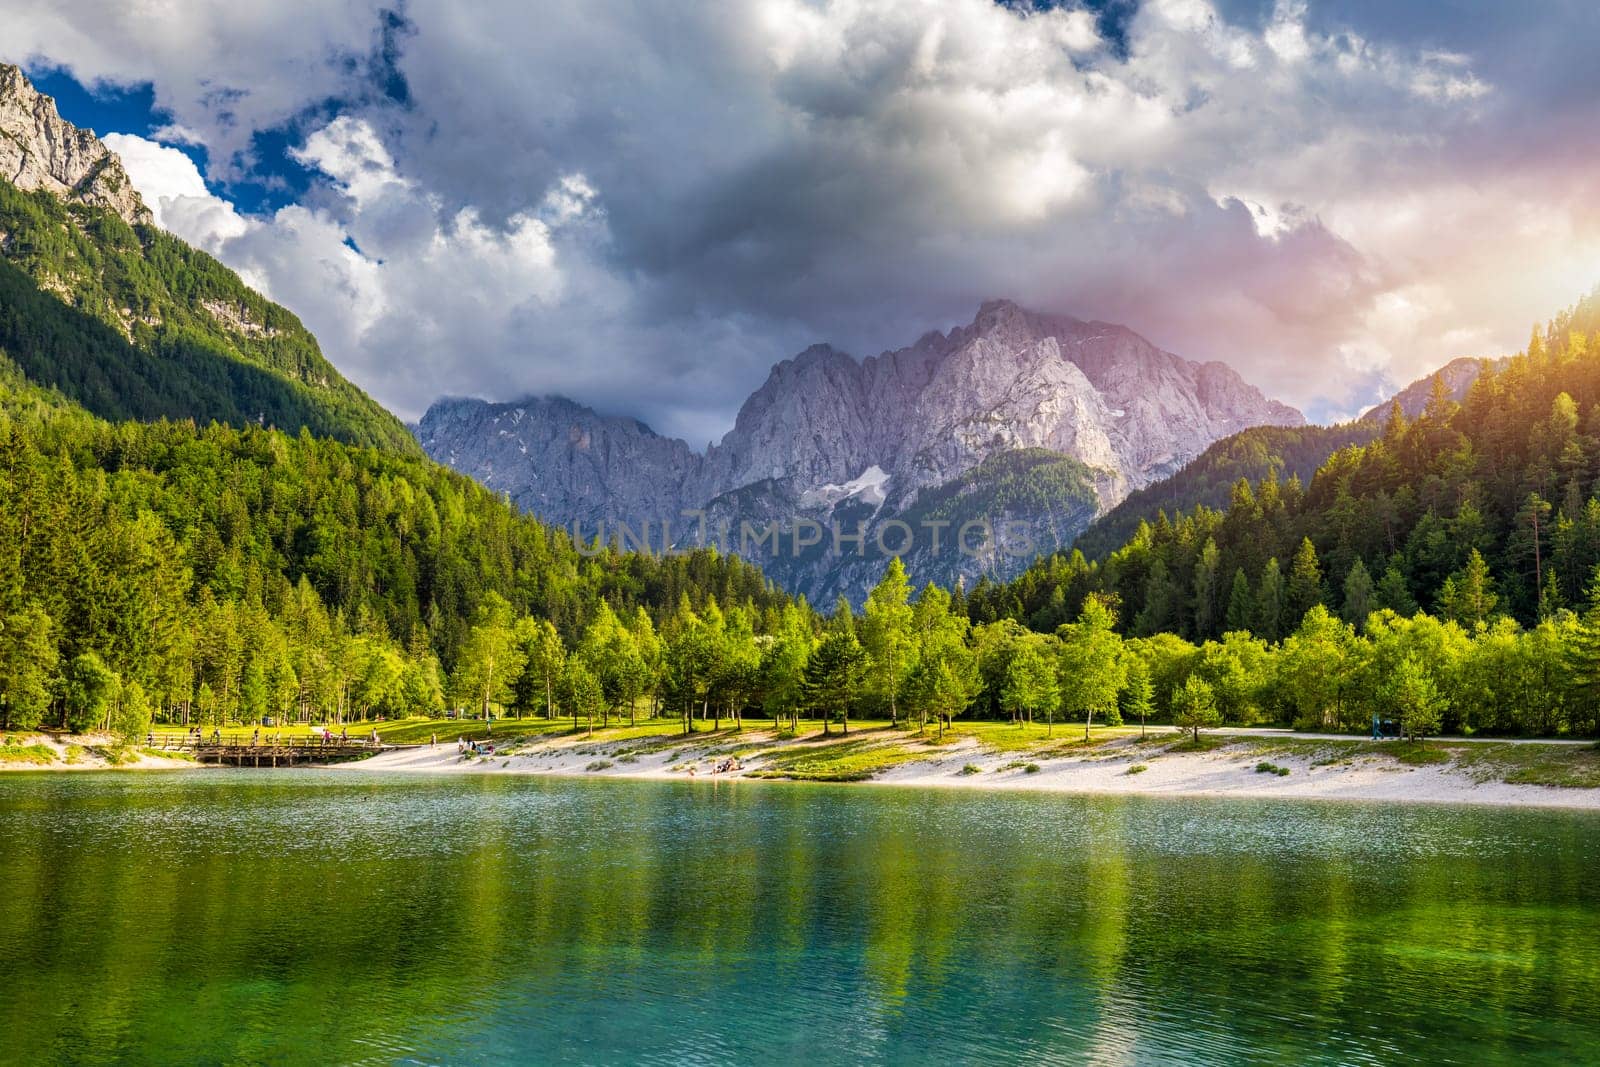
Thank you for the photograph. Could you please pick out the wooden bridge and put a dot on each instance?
(268, 752)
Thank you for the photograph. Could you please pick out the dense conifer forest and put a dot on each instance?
(220, 573)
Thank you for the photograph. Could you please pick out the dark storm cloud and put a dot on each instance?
(645, 204)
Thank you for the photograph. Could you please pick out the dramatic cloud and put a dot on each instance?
(644, 204)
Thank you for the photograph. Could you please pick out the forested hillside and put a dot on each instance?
(224, 572)
(132, 323)
(1253, 455)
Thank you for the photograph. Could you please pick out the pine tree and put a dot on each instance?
(1160, 594)
(1358, 595)
(1269, 602)
(1241, 605)
(1205, 591)
(1305, 582)
(1468, 596)
(1392, 593)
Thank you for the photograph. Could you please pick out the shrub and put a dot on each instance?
(15, 752)
(1031, 768)
(1137, 768)
(599, 765)
(971, 768)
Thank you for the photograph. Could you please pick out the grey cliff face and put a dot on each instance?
(828, 437)
(40, 150)
(560, 460)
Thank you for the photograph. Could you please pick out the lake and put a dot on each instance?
(316, 916)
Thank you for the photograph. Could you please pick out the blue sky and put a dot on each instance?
(645, 204)
(275, 179)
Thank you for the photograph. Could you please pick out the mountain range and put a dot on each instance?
(1035, 422)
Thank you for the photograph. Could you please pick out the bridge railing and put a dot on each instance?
(170, 743)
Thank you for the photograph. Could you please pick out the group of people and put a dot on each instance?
(465, 747)
(727, 766)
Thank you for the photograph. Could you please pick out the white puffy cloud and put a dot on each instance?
(394, 282)
(644, 204)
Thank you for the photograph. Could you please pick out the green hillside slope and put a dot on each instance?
(1257, 453)
(134, 324)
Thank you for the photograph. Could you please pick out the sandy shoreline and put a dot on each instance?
(1227, 771)
(1318, 768)
(87, 752)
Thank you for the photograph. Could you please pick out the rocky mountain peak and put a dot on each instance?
(41, 150)
(831, 438)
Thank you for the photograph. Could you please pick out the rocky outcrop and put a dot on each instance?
(1013, 379)
(562, 461)
(827, 439)
(41, 150)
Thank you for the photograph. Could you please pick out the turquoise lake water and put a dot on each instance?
(331, 916)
